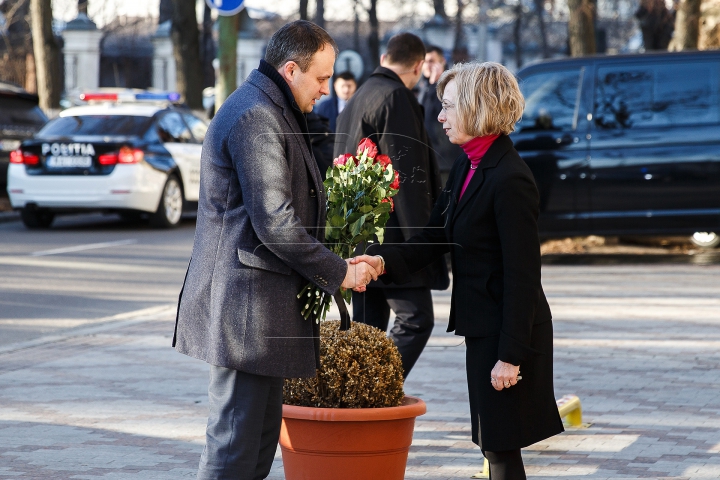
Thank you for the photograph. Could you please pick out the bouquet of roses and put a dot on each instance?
(359, 191)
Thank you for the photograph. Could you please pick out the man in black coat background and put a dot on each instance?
(385, 110)
(446, 153)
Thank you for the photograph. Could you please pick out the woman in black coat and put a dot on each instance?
(487, 219)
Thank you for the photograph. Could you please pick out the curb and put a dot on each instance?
(9, 216)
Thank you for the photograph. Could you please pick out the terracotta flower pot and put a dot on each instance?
(348, 443)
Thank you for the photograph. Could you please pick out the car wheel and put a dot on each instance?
(169, 211)
(705, 239)
(34, 218)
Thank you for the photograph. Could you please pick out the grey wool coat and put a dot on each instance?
(260, 228)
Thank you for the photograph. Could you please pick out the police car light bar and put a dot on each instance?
(130, 97)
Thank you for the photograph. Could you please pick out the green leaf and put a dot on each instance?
(380, 234)
(366, 209)
(357, 226)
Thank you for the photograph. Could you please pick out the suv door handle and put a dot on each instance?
(566, 139)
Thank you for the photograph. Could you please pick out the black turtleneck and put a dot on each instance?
(270, 72)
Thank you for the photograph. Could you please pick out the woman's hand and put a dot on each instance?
(504, 375)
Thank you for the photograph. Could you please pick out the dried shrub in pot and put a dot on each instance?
(359, 368)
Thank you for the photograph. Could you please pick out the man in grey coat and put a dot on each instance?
(259, 240)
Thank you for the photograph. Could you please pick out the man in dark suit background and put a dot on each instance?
(344, 87)
(435, 64)
(258, 241)
(385, 110)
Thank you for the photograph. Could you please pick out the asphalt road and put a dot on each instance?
(86, 269)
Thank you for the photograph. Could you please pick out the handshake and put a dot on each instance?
(361, 270)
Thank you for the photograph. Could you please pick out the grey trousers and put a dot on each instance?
(243, 425)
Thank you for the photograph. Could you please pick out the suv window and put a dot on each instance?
(171, 128)
(197, 126)
(550, 100)
(16, 111)
(656, 95)
(97, 125)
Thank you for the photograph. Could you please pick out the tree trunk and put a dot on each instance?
(208, 48)
(356, 28)
(320, 13)
(186, 49)
(459, 33)
(47, 54)
(166, 10)
(374, 39)
(687, 26)
(439, 6)
(30, 78)
(303, 9)
(581, 27)
(517, 35)
(82, 6)
(227, 54)
(656, 24)
(540, 11)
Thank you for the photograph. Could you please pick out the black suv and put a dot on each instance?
(625, 145)
(20, 118)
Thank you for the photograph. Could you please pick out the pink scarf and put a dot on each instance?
(475, 149)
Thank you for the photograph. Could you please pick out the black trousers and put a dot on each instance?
(243, 425)
(414, 318)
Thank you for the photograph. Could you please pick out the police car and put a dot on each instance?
(132, 154)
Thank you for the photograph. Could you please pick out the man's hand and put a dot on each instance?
(359, 275)
(375, 262)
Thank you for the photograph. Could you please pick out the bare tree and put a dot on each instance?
(517, 34)
(186, 49)
(166, 11)
(439, 6)
(47, 54)
(459, 27)
(303, 9)
(374, 38)
(581, 27)
(320, 13)
(82, 7)
(208, 48)
(540, 11)
(656, 24)
(356, 27)
(687, 26)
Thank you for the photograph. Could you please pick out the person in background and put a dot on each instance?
(344, 86)
(487, 219)
(433, 67)
(385, 110)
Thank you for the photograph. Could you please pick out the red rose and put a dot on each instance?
(396, 183)
(342, 159)
(383, 160)
(392, 204)
(366, 145)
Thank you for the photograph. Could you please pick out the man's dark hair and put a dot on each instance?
(405, 49)
(297, 41)
(346, 76)
(435, 49)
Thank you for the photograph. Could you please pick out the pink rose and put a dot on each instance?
(342, 159)
(366, 145)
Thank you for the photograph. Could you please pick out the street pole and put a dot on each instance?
(227, 54)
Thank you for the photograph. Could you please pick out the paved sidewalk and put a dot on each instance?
(640, 345)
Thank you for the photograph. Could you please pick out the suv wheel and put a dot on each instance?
(705, 239)
(34, 218)
(169, 211)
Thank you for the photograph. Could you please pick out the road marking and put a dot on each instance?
(80, 248)
(91, 266)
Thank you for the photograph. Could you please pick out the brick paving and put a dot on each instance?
(640, 345)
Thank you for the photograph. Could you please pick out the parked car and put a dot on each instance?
(20, 119)
(625, 145)
(119, 157)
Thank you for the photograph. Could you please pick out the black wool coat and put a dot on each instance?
(491, 234)
(386, 111)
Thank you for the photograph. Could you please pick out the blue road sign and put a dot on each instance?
(226, 7)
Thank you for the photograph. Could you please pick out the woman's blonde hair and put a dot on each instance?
(489, 101)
